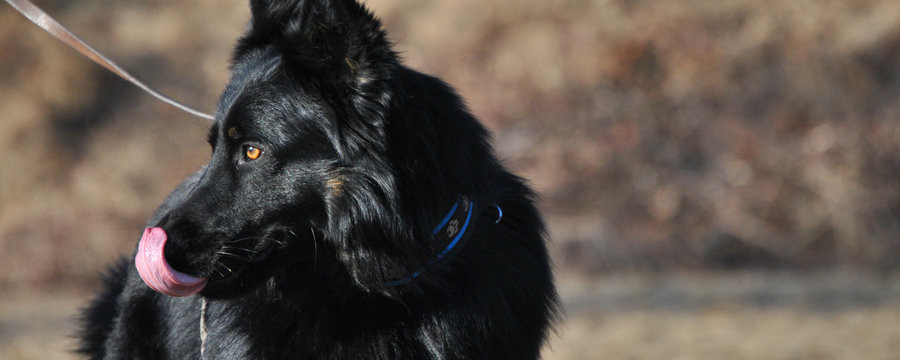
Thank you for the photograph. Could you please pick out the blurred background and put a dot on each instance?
(721, 179)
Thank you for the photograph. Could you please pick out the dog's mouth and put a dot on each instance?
(155, 270)
(228, 267)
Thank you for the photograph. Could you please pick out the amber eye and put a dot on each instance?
(252, 153)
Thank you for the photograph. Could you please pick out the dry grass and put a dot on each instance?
(660, 133)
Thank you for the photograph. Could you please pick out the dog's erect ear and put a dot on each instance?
(311, 32)
(336, 44)
(316, 35)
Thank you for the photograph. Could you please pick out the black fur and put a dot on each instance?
(361, 158)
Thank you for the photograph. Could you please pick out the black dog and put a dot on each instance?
(352, 209)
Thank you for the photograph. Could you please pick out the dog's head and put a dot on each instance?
(319, 140)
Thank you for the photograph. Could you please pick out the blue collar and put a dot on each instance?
(451, 231)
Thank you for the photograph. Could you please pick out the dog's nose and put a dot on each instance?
(156, 272)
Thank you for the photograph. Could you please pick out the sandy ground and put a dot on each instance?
(832, 315)
(732, 332)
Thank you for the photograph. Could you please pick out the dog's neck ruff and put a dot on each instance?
(452, 232)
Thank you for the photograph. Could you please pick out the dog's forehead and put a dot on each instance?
(261, 102)
(252, 70)
(269, 116)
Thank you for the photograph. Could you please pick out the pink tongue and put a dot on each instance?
(156, 272)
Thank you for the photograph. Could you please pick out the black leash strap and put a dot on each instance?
(39, 17)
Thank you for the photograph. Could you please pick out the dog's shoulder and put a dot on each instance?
(97, 318)
(124, 319)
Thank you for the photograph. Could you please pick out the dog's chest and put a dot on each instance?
(221, 332)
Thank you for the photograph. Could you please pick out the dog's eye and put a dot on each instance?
(252, 153)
